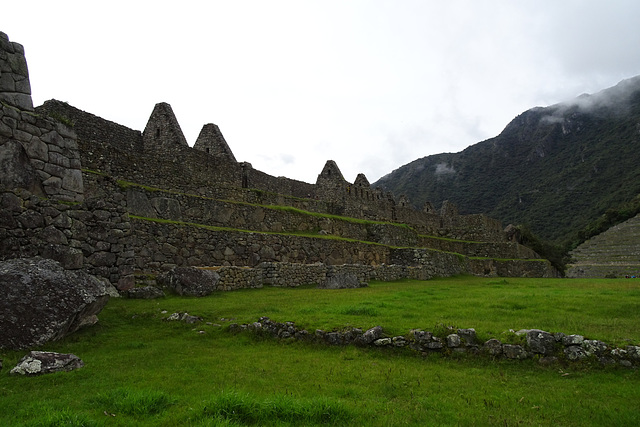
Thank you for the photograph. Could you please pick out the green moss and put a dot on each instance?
(62, 119)
(90, 171)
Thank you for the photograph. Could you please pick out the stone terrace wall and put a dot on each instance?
(256, 179)
(182, 207)
(93, 129)
(292, 275)
(39, 155)
(161, 246)
(116, 150)
(509, 250)
(92, 235)
(43, 209)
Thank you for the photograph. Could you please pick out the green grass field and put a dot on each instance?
(141, 370)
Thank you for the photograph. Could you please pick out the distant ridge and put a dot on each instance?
(554, 169)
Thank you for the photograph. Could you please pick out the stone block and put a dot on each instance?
(72, 180)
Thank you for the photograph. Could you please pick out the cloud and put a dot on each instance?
(444, 169)
(371, 84)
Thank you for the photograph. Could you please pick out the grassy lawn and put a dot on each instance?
(141, 370)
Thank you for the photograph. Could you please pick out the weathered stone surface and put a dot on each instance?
(572, 340)
(594, 347)
(189, 281)
(511, 351)
(468, 336)
(575, 352)
(138, 204)
(145, 292)
(421, 337)
(167, 208)
(45, 362)
(370, 335)
(633, 351)
(342, 281)
(42, 302)
(493, 347)
(17, 171)
(69, 258)
(435, 344)
(541, 342)
(453, 340)
(188, 318)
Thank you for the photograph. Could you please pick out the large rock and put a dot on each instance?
(41, 302)
(45, 362)
(189, 281)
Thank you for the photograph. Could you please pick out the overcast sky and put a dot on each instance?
(370, 84)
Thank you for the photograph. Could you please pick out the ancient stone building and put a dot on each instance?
(118, 202)
(211, 141)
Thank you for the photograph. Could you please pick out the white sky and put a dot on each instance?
(371, 84)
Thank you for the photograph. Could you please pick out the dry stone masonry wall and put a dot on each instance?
(114, 201)
(548, 348)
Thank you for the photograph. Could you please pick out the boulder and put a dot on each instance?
(189, 281)
(40, 301)
(46, 362)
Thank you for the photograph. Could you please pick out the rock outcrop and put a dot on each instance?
(40, 301)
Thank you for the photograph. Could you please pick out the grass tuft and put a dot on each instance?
(359, 310)
(246, 409)
(134, 402)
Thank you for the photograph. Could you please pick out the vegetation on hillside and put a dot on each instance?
(554, 170)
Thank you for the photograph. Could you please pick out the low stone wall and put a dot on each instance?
(512, 268)
(504, 250)
(234, 278)
(292, 275)
(548, 348)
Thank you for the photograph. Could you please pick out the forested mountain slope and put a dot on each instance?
(554, 169)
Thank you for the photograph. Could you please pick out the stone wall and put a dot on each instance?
(71, 180)
(15, 87)
(93, 235)
(40, 155)
(161, 246)
(548, 348)
(506, 250)
(93, 130)
(43, 208)
(175, 166)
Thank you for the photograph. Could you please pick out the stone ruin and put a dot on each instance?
(122, 204)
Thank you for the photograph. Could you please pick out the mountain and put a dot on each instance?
(554, 169)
